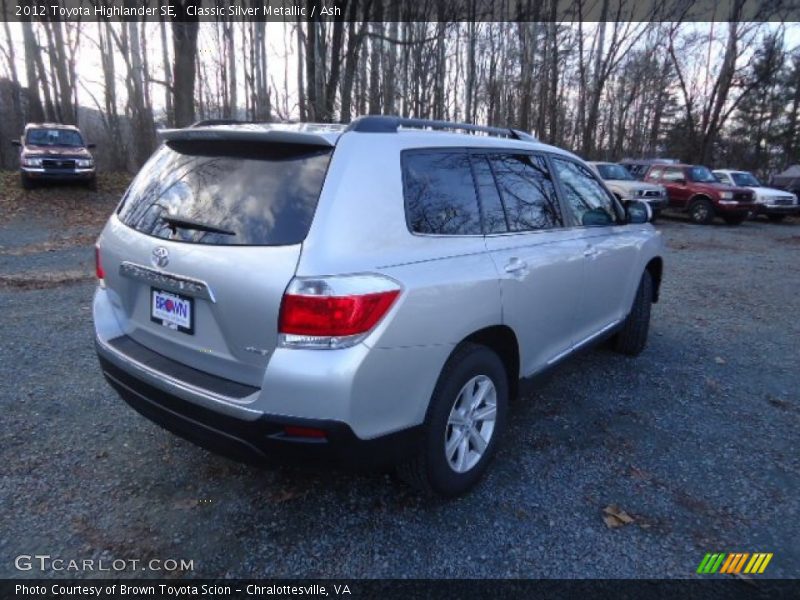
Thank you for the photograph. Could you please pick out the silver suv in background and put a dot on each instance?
(623, 185)
(370, 294)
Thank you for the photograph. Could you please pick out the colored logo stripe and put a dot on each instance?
(710, 563)
(758, 563)
(733, 563)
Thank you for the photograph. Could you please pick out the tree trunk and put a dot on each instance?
(35, 108)
(354, 40)
(301, 94)
(184, 42)
(165, 65)
(16, 100)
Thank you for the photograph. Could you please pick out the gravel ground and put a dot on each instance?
(696, 440)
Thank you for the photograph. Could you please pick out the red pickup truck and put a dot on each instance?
(696, 190)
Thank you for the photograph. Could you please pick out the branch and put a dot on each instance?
(166, 84)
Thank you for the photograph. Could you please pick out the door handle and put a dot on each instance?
(515, 266)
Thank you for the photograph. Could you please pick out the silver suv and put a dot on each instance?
(372, 294)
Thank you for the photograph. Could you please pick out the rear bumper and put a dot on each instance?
(261, 439)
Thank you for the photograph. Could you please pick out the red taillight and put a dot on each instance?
(98, 266)
(304, 432)
(333, 316)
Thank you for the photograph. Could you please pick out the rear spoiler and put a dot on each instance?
(275, 136)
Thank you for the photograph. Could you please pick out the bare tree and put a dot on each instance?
(184, 41)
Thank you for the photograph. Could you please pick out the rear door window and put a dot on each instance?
(259, 194)
(672, 174)
(494, 215)
(439, 193)
(527, 191)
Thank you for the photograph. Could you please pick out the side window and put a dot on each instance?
(527, 191)
(673, 174)
(439, 193)
(584, 194)
(494, 216)
(655, 173)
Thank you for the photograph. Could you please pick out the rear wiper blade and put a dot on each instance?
(184, 223)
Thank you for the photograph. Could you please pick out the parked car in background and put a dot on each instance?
(638, 166)
(695, 189)
(623, 185)
(788, 179)
(774, 203)
(54, 152)
(242, 306)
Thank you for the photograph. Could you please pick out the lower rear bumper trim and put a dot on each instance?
(261, 440)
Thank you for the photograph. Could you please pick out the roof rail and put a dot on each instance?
(390, 124)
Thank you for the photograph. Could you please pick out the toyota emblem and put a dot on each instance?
(160, 257)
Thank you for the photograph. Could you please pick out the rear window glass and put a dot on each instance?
(527, 190)
(440, 193)
(494, 215)
(254, 194)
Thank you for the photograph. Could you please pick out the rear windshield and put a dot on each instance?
(225, 193)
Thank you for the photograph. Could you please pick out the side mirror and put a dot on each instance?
(596, 217)
(16, 143)
(638, 212)
(90, 146)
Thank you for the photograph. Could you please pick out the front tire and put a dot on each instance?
(701, 212)
(464, 424)
(776, 218)
(632, 338)
(26, 182)
(91, 185)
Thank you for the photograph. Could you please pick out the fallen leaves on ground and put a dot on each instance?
(286, 494)
(73, 205)
(41, 280)
(615, 517)
(52, 245)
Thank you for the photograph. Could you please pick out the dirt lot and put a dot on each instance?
(696, 440)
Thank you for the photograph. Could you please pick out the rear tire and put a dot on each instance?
(472, 382)
(776, 218)
(701, 211)
(632, 338)
(735, 219)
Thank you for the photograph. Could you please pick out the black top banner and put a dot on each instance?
(404, 10)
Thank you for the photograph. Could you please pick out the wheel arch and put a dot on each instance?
(656, 268)
(502, 340)
(699, 196)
